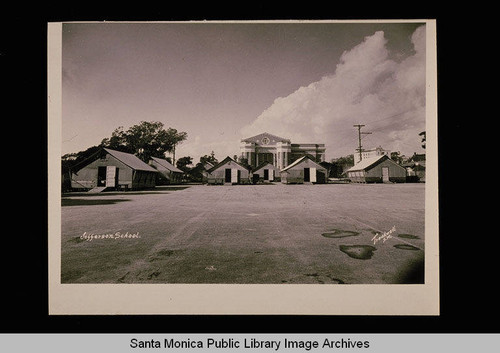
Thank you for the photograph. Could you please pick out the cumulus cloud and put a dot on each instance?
(198, 147)
(367, 87)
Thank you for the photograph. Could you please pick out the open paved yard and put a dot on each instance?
(246, 234)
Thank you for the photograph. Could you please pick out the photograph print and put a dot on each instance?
(269, 156)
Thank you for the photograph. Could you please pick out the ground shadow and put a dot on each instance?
(361, 252)
(83, 202)
(339, 233)
(408, 236)
(406, 247)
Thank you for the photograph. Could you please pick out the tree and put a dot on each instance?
(244, 161)
(196, 173)
(182, 163)
(117, 141)
(342, 164)
(422, 134)
(396, 157)
(347, 160)
(211, 159)
(145, 140)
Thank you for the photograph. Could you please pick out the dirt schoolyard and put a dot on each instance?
(332, 234)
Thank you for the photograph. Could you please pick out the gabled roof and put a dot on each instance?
(271, 137)
(418, 157)
(166, 164)
(414, 165)
(262, 165)
(131, 160)
(294, 163)
(379, 148)
(300, 160)
(369, 162)
(207, 165)
(227, 159)
(326, 164)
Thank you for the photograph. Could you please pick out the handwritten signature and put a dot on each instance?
(384, 236)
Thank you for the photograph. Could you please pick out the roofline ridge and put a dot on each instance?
(267, 133)
(166, 166)
(223, 161)
(131, 154)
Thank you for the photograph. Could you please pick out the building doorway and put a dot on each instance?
(107, 176)
(385, 174)
(235, 176)
(227, 178)
(307, 175)
(101, 176)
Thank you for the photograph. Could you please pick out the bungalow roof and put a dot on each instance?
(131, 160)
(166, 164)
(369, 162)
(262, 165)
(227, 159)
(298, 161)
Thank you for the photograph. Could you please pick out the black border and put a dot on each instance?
(466, 297)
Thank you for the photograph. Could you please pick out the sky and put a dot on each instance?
(221, 82)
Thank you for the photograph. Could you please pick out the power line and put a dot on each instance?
(383, 126)
(392, 116)
(359, 149)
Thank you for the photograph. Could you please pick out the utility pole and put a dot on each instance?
(359, 149)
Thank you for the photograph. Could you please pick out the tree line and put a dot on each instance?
(144, 140)
(151, 139)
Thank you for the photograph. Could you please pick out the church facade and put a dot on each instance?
(278, 151)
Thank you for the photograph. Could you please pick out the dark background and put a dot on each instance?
(468, 245)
